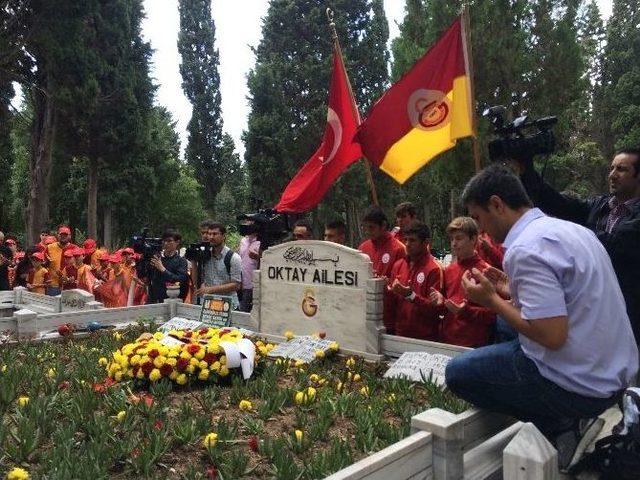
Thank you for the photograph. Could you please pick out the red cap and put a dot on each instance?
(64, 229)
(89, 245)
(50, 239)
(114, 258)
(69, 253)
(127, 251)
(78, 251)
(38, 256)
(103, 256)
(18, 255)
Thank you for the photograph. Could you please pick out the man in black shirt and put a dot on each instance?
(5, 260)
(170, 267)
(614, 218)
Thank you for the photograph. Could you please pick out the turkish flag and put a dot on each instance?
(336, 152)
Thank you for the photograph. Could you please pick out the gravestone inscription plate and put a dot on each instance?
(416, 365)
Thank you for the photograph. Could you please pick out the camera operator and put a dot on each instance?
(169, 267)
(223, 271)
(197, 254)
(614, 218)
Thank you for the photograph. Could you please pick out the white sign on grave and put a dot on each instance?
(179, 323)
(301, 348)
(75, 299)
(315, 286)
(416, 365)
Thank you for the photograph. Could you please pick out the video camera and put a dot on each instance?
(269, 226)
(199, 252)
(148, 247)
(513, 143)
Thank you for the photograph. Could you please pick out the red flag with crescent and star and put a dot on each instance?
(336, 152)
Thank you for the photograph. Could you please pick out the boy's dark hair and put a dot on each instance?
(208, 224)
(338, 225)
(374, 214)
(632, 151)
(171, 233)
(218, 226)
(495, 180)
(303, 222)
(406, 208)
(419, 229)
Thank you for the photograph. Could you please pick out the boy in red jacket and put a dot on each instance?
(465, 323)
(412, 279)
(384, 251)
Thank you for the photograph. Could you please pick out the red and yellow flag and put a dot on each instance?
(425, 112)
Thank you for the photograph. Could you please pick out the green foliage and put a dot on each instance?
(201, 85)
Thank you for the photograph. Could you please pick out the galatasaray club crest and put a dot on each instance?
(428, 109)
(309, 305)
(332, 137)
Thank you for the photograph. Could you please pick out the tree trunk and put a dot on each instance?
(92, 199)
(42, 135)
(108, 229)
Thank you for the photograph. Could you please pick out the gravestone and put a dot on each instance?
(314, 286)
(76, 299)
(418, 365)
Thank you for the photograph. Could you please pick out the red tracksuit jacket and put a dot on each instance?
(417, 318)
(471, 327)
(384, 253)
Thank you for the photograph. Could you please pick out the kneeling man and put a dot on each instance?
(575, 350)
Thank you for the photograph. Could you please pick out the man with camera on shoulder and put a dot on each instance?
(222, 270)
(168, 267)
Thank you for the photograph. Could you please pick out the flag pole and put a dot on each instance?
(468, 56)
(367, 164)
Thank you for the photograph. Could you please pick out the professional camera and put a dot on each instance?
(269, 226)
(514, 142)
(199, 252)
(148, 247)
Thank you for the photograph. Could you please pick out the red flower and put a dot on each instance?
(210, 358)
(98, 387)
(153, 353)
(212, 472)
(64, 385)
(143, 397)
(182, 364)
(193, 348)
(158, 425)
(135, 453)
(166, 370)
(135, 370)
(146, 368)
(109, 381)
(253, 443)
(203, 331)
(187, 334)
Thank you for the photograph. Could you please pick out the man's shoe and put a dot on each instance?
(572, 444)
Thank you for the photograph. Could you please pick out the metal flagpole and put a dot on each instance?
(468, 55)
(367, 163)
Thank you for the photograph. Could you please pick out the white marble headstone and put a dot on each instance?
(314, 286)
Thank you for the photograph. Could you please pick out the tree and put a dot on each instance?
(618, 96)
(288, 90)
(201, 85)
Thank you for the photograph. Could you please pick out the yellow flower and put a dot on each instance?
(223, 360)
(289, 335)
(339, 387)
(356, 377)
(203, 365)
(299, 363)
(118, 376)
(200, 354)
(135, 360)
(320, 354)
(186, 355)
(263, 350)
(204, 374)
(334, 346)
(299, 398)
(18, 474)
(117, 335)
(173, 375)
(171, 361)
(194, 362)
(181, 379)
(51, 373)
(210, 440)
(23, 401)
(245, 405)
(365, 391)
(314, 377)
(224, 371)
(120, 416)
(155, 375)
(311, 392)
(216, 366)
(270, 346)
(158, 335)
(391, 398)
(4, 368)
(351, 362)
(103, 362)
(299, 435)
(159, 361)
(190, 369)
(140, 374)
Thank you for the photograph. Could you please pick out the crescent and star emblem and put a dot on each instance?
(333, 121)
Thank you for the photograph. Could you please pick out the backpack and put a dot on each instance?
(617, 456)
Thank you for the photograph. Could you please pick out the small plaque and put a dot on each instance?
(418, 365)
(216, 311)
(179, 323)
(301, 348)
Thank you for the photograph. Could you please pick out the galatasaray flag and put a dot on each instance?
(424, 113)
(336, 152)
